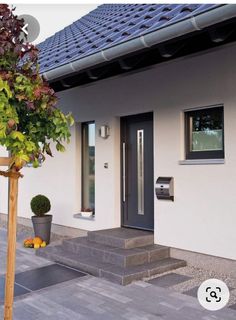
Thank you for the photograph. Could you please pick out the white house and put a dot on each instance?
(153, 92)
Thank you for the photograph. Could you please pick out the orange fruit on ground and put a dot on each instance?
(36, 246)
(43, 244)
(38, 241)
(28, 243)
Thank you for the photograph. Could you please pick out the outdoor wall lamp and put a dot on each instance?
(104, 131)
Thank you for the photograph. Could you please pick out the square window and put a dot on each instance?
(204, 132)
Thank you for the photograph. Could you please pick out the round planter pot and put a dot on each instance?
(42, 227)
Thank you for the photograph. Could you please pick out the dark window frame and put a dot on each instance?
(214, 154)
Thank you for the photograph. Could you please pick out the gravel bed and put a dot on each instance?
(198, 276)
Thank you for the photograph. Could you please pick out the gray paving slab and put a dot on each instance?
(78, 299)
(169, 280)
(192, 292)
(18, 290)
(25, 259)
(46, 276)
(23, 311)
(233, 306)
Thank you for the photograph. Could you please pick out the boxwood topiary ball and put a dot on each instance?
(40, 205)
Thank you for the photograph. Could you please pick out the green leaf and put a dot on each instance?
(35, 163)
(30, 146)
(25, 158)
(70, 119)
(60, 147)
(5, 87)
(18, 135)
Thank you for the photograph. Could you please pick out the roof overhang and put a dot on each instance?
(176, 30)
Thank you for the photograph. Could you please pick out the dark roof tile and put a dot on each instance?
(109, 25)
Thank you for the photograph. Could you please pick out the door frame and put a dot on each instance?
(135, 117)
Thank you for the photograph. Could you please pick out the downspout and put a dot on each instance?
(194, 23)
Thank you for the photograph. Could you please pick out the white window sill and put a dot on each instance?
(202, 161)
(79, 216)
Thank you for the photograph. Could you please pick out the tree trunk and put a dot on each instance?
(11, 249)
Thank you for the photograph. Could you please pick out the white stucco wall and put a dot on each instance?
(203, 217)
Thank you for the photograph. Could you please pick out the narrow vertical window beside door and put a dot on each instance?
(88, 165)
(140, 169)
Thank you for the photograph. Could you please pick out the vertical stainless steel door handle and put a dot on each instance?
(124, 172)
(140, 170)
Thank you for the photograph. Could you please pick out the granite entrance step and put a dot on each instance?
(114, 255)
(122, 237)
(109, 271)
(120, 255)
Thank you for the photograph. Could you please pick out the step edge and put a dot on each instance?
(111, 248)
(109, 253)
(92, 234)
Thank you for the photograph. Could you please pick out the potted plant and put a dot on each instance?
(40, 205)
(86, 212)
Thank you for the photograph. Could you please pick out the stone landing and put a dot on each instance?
(120, 255)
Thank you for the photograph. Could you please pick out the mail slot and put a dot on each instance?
(165, 188)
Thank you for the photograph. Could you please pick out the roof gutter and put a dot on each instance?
(194, 23)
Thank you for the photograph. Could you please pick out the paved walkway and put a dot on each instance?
(94, 298)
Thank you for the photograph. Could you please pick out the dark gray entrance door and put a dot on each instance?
(137, 178)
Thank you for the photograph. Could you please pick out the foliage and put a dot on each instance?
(40, 205)
(29, 119)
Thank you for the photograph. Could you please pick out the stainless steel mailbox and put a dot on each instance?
(165, 188)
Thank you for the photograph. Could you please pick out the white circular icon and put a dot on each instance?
(213, 294)
(31, 28)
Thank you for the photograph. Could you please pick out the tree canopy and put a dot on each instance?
(29, 118)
